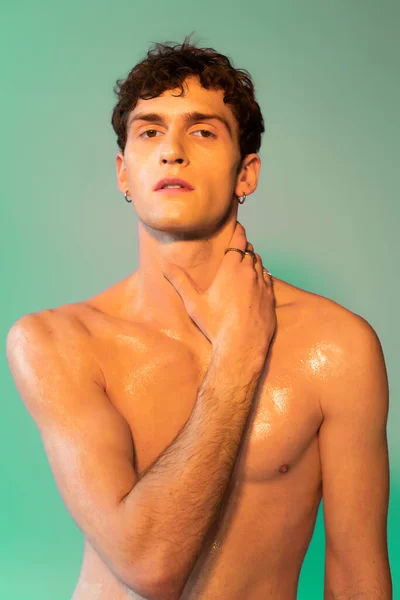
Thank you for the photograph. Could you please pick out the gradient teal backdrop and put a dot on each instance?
(325, 216)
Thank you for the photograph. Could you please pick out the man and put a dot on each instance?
(195, 413)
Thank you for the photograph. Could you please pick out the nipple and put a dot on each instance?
(284, 468)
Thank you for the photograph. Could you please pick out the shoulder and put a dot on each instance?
(38, 343)
(325, 317)
(345, 341)
(49, 326)
(337, 341)
(341, 356)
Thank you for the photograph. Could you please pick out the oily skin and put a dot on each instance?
(191, 230)
(123, 368)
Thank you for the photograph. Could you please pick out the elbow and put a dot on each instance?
(152, 587)
(172, 581)
(154, 591)
(148, 573)
(162, 593)
(164, 588)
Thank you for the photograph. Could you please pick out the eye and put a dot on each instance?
(209, 133)
(206, 131)
(149, 130)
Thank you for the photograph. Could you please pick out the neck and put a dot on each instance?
(155, 297)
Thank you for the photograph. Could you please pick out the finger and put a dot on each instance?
(239, 241)
(183, 284)
(261, 271)
(251, 248)
(267, 276)
(259, 267)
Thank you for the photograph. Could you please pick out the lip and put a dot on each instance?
(173, 181)
(173, 191)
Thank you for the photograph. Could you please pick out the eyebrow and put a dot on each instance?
(188, 117)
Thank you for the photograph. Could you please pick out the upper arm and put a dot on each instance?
(87, 442)
(354, 460)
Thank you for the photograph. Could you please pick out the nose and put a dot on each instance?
(172, 151)
(172, 159)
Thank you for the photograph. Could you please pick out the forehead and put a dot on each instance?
(194, 98)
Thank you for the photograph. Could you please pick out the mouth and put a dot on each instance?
(172, 184)
(176, 190)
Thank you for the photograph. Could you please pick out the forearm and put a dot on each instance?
(175, 502)
(365, 593)
(374, 585)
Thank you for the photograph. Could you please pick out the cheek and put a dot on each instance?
(140, 174)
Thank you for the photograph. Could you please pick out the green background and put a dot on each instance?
(325, 216)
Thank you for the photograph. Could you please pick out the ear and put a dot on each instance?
(247, 180)
(122, 176)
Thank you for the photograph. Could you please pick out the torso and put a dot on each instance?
(256, 547)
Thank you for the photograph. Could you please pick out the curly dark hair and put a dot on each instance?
(166, 66)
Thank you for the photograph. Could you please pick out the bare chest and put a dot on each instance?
(153, 382)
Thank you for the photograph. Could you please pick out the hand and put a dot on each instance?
(238, 309)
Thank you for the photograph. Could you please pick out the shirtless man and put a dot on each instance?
(195, 413)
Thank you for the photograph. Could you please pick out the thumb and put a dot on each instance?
(183, 284)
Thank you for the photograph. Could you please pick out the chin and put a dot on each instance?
(185, 227)
(181, 229)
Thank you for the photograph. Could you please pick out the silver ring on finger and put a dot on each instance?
(252, 254)
(266, 271)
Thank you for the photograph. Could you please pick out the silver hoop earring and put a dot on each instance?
(241, 200)
(126, 196)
